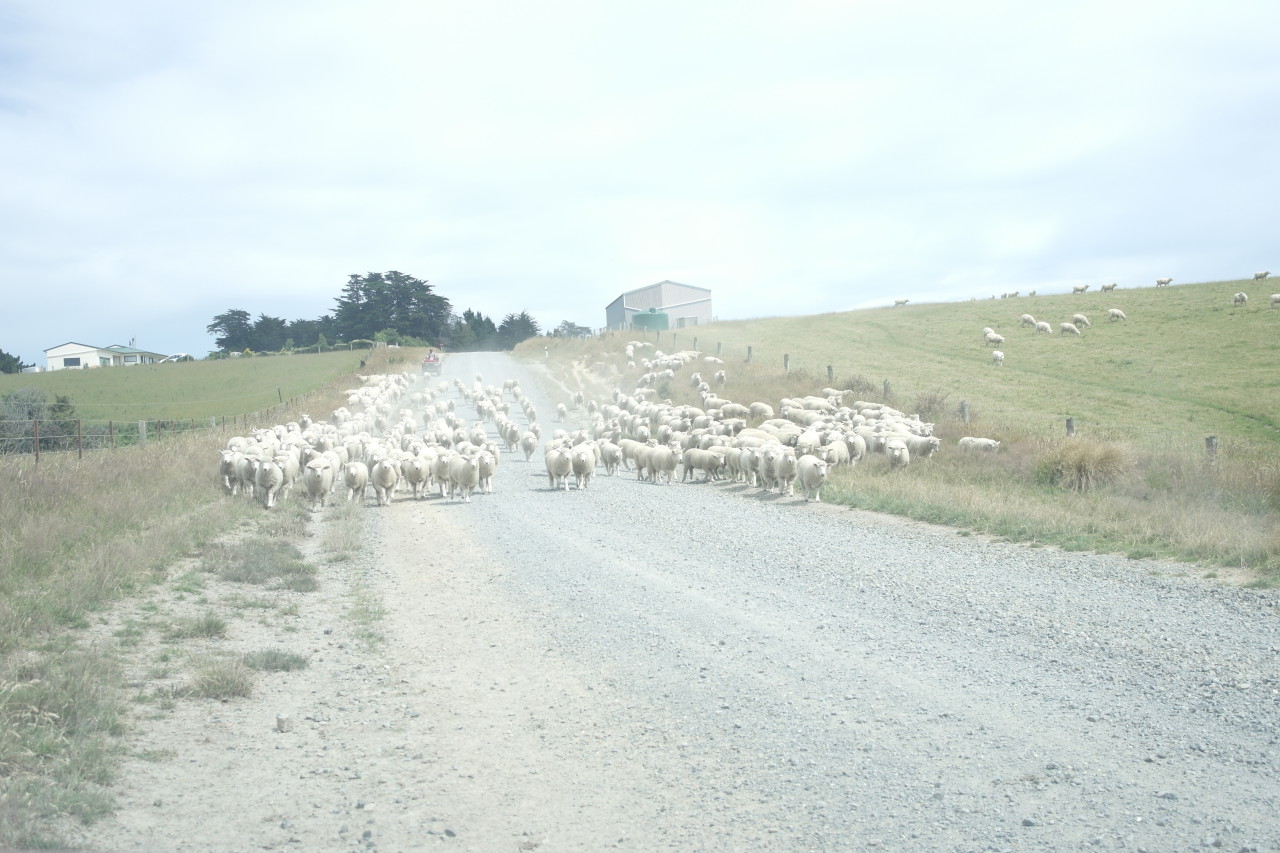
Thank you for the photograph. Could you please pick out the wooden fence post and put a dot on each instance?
(718, 345)
(1071, 427)
(142, 433)
(79, 440)
(786, 363)
(748, 354)
(111, 433)
(886, 389)
(1211, 447)
(35, 427)
(964, 410)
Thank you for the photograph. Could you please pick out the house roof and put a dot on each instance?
(69, 343)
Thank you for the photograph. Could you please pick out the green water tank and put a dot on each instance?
(652, 320)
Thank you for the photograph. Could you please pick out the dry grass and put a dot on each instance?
(77, 536)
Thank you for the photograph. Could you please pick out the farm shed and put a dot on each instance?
(685, 304)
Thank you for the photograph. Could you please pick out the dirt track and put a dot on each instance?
(699, 667)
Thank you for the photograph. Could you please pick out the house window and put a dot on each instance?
(103, 361)
(130, 359)
(71, 361)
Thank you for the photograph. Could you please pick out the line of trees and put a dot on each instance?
(11, 363)
(390, 307)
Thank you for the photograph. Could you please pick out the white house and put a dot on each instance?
(684, 304)
(73, 355)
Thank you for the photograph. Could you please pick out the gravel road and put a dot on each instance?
(702, 667)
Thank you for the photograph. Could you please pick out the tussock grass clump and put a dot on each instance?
(1082, 464)
(343, 533)
(274, 660)
(218, 678)
(261, 560)
(207, 626)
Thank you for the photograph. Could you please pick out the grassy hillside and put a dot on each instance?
(194, 389)
(1144, 394)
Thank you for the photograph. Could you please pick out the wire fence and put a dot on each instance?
(76, 435)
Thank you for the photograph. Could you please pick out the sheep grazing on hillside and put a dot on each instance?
(1068, 329)
(1080, 320)
(1107, 288)
(1079, 288)
(1027, 320)
(992, 339)
(1275, 299)
(970, 442)
(1259, 276)
(1163, 282)
(898, 302)
(997, 358)
(1044, 327)
(1115, 314)
(1240, 298)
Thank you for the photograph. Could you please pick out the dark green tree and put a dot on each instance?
(473, 332)
(18, 409)
(269, 334)
(11, 363)
(392, 300)
(516, 328)
(232, 330)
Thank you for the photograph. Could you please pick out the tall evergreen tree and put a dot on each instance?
(516, 328)
(232, 329)
(393, 300)
(11, 363)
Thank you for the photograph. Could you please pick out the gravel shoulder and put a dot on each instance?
(702, 667)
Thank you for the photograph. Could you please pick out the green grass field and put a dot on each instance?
(193, 389)
(1144, 394)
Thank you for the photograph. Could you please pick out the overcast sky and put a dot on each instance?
(164, 161)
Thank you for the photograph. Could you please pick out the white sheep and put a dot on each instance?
(1044, 327)
(970, 442)
(1068, 329)
(355, 477)
(1163, 282)
(317, 480)
(1240, 298)
(1027, 320)
(1107, 288)
(1259, 276)
(1275, 299)
(1115, 314)
(997, 358)
(811, 474)
(1079, 288)
(993, 339)
(464, 476)
(384, 476)
(1080, 320)
(559, 465)
(899, 455)
(898, 302)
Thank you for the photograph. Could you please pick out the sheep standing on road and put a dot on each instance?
(811, 474)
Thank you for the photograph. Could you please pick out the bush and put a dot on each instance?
(1082, 464)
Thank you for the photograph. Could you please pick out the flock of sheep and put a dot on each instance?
(373, 442)
(1079, 321)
